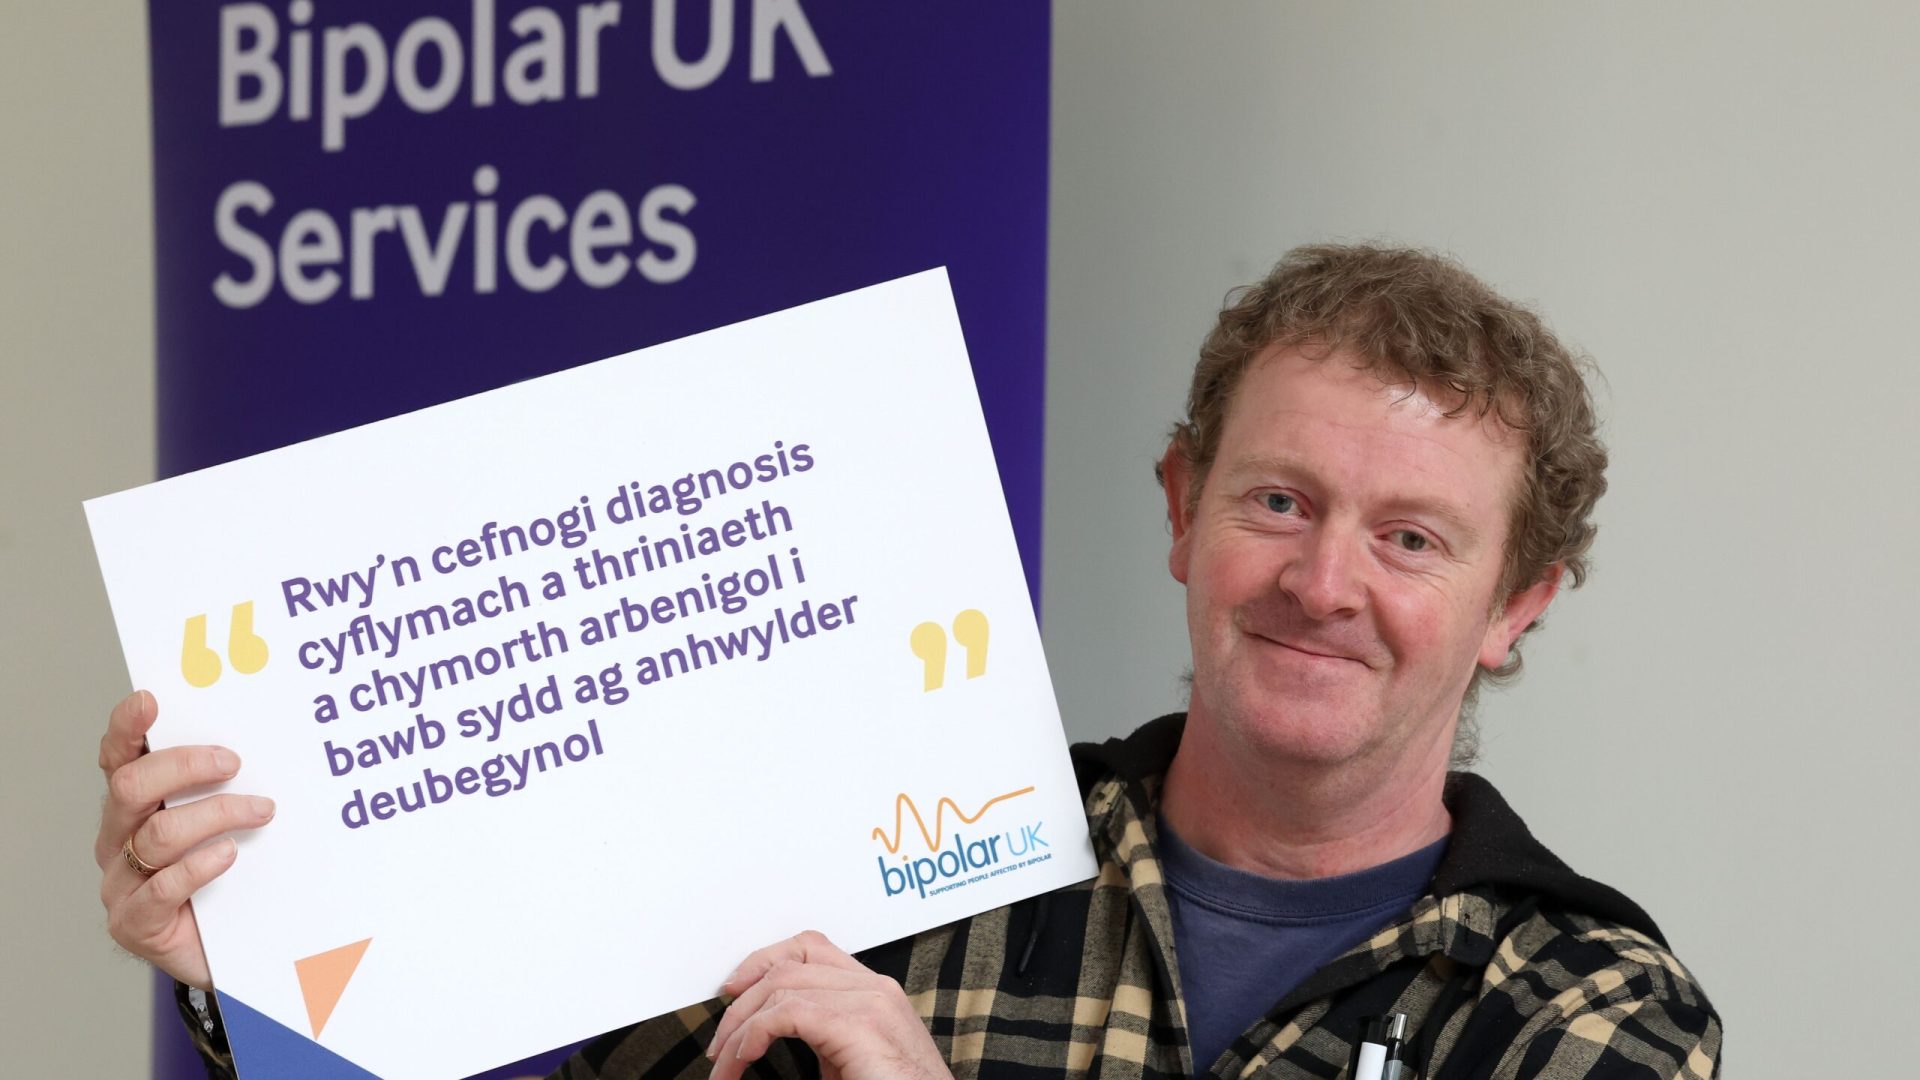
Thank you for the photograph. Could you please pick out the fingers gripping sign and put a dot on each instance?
(859, 1024)
(181, 848)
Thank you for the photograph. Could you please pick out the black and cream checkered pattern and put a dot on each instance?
(1504, 969)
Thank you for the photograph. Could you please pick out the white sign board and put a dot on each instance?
(572, 693)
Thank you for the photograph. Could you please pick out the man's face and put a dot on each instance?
(1342, 561)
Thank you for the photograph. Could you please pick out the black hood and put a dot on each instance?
(1490, 846)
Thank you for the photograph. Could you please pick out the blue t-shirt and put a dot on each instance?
(1245, 940)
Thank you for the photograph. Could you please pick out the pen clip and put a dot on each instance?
(1380, 1052)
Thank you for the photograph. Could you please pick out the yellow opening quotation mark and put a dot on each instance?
(929, 643)
(246, 650)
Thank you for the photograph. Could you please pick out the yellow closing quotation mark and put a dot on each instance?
(246, 650)
(929, 643)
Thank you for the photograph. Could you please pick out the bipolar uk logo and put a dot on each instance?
(951, 862)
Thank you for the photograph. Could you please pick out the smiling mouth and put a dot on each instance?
(1308, 652)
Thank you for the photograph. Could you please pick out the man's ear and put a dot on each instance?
(1513, 617)
(1175, 476)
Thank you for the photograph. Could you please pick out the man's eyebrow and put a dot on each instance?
(1269, 465)
(1453, 517)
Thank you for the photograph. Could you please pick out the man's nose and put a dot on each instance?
(1323, 577)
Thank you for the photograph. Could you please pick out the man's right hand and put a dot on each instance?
(150, 916)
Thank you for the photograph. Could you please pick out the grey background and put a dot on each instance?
(1715, 200)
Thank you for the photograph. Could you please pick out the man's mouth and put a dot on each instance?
(1320, 652)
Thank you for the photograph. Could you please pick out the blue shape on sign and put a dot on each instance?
(265, 1049)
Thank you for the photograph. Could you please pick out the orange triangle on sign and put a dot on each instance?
(323, 978)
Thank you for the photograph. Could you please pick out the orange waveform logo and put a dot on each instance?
(903, 804)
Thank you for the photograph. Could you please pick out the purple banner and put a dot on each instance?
(366, 207)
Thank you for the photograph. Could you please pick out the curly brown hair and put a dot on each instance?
(1412, 316)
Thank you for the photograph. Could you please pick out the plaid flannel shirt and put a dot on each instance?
(1510, 967)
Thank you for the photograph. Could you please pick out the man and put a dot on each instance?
(1384, 476)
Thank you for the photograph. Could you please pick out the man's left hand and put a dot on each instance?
(859, 1024)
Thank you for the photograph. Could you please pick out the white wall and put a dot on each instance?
(76, 405)
(1719, 203)
(1715, 201)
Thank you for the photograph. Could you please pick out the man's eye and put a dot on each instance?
(1410, 540)
(1280, 504)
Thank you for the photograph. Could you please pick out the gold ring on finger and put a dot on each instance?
(140, 865)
